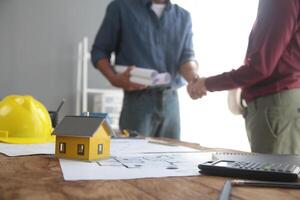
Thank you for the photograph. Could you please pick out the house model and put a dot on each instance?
(83, 138)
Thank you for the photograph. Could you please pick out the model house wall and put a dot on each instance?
(83, 138)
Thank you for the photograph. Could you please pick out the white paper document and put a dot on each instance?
(118, 147)
(137, 158)
(134, 146)
(148, 77)
(135, 166)
(27, 149)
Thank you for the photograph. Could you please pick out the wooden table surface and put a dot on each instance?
(40, 177)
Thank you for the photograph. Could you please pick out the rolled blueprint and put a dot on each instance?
(137, 71)
(162, 79)
(147, 77)
(159, 79)
(142, 81)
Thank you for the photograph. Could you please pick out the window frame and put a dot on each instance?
(62, 147)
(98, 149)
(80, 149)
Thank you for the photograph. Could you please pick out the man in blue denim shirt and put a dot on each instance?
(153, 34)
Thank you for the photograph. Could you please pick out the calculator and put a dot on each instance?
(251, 170)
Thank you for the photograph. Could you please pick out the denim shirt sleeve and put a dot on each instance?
(106, 40)
(188, 49)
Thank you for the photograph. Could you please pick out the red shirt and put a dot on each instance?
(272, 61)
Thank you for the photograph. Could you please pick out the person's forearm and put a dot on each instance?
(270, 38)
(104, 67)
(189, 70)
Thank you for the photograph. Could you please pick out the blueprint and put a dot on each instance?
(135, 166)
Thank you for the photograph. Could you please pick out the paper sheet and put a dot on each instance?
(118, 147)
(135, 166)
(134, 146)
(27, 149)
(137, 158)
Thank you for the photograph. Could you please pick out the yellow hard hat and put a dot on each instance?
(24, 120)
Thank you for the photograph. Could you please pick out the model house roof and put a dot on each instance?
(79, 126)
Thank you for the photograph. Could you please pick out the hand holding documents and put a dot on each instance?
(148, 77)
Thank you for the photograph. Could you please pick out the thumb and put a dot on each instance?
(189, 89)
(128, 70)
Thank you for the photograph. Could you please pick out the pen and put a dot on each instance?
(60, 105)
(161, 142)
(225, 193)
(254, 183)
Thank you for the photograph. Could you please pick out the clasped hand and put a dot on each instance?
(196, 88)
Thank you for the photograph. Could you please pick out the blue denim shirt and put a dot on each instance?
(138, 37)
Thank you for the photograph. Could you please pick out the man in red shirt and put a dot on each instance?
(270, 79)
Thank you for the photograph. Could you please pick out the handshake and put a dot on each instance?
(196, 88)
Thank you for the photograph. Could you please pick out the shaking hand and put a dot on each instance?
(196, 88)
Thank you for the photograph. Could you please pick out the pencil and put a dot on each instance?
(161, 142)
(225, 193)
(254, 183)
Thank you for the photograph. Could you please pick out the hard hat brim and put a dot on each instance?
(18, 140)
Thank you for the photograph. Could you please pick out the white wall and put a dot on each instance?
(38, 53)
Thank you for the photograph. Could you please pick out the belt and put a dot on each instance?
(156, 89)
(284, 97)
(159, 88)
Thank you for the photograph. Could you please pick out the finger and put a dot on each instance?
(140, 88)
(196, 93)
(128, 70)
(193, 95)
(195, 78)
(189, 89)
(134, 86)
(201, 93)
(137, 86)
(129, 89)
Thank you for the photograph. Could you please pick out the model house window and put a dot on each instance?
(100, 148)
(80, 149)
(62, 147)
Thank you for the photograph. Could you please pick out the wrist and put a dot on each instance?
(113, 79)
(192, 77)
(204, 84)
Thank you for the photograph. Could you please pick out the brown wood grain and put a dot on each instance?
(40, 177)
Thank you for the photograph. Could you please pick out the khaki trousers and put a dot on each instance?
(273, 123)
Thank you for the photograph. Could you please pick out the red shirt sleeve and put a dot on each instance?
(272, 32)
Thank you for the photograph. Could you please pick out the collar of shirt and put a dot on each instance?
(158, 9)
(148, 3)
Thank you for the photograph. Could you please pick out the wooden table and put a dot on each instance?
(40, 177)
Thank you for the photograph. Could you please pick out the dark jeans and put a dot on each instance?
(152, 112)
